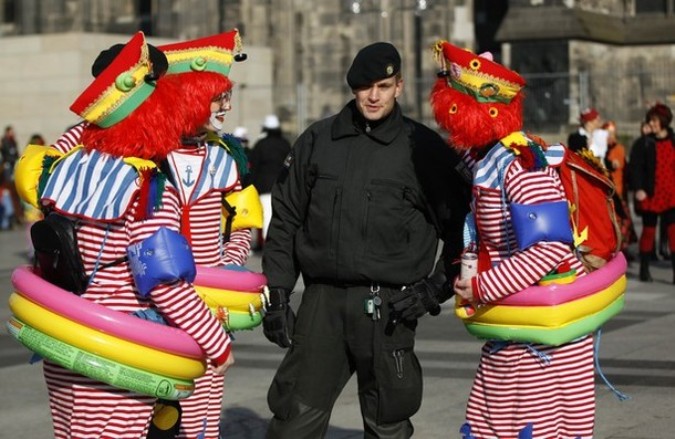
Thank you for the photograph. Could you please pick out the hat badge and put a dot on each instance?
(489, 90)
(390, 69)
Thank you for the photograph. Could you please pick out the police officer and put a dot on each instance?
(357, 211)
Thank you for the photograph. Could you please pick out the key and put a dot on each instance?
(369, 306)
(377, 303)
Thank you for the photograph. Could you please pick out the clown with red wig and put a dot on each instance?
(524, 390)
(205, 168)
(112, 185)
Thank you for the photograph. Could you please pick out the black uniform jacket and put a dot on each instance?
(356, 205)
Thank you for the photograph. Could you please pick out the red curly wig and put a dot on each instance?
(179, 106)
(472, 124)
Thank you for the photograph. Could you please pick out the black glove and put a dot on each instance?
(279, 319)
(420, 298)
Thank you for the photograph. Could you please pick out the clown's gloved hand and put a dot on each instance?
(279, 319)
(420, 298)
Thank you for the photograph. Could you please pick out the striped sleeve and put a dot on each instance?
(178, 301)
(70, 139)
(525, 268)
(238, 247)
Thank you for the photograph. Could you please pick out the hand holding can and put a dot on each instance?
(469, 267)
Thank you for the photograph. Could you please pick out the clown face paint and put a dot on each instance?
(216, 121)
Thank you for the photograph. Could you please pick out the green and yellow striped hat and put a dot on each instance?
(209, 54)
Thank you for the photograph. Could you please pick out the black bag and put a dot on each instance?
(56, 253)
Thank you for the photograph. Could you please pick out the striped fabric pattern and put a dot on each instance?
(92, 185)
(219, 171)
(81, 406)
(209, 250)
(513, 388)
(513, 385)
(70, 139)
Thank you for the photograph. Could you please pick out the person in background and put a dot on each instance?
(9, 152)
(12, 211)
(37, 139)
(354, 213)
(615, 159)
(241, 134)
(652, 170)
(267, 160)
(590, 134)
(616, 165)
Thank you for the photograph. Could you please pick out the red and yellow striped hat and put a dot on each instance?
(209, 54)
(120, 88)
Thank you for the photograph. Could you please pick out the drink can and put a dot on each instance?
(469, 265)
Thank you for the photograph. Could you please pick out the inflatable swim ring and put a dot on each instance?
(230, 277)
(233, 294)
(237, 320)
(125, 326)
(99, 343)
(550, 316)
(553, 314)
(98, 368)
(233, 300)
(548, 336)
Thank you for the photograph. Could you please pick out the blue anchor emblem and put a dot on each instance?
(187, 182)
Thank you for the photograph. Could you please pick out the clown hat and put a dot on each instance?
(209, 54)
(477, 76)
(120, 88)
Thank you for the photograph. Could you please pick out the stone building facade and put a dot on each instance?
(616, 55)
(312, 42)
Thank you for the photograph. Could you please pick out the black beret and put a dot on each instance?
(373, 63)
(159, 62)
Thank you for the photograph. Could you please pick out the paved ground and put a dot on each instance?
(636, 354)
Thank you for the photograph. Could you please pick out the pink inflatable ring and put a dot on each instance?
(164, 338)
(230, 277)
(557, 294)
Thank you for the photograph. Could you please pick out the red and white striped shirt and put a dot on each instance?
(513, 386)
(82, 407)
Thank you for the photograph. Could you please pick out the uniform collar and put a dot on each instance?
(349, 122)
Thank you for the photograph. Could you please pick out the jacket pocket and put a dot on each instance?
(385, 219)
(399, 378)
(318, 226)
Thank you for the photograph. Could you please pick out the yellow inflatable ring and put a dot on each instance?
(546, 316)
(105, 345)
(99, 368)
(548, 336)
(232, 300)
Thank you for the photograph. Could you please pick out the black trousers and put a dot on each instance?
(333, 338)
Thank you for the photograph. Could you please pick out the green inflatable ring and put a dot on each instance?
(97, 367)
(237, 320)
(553, 337)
